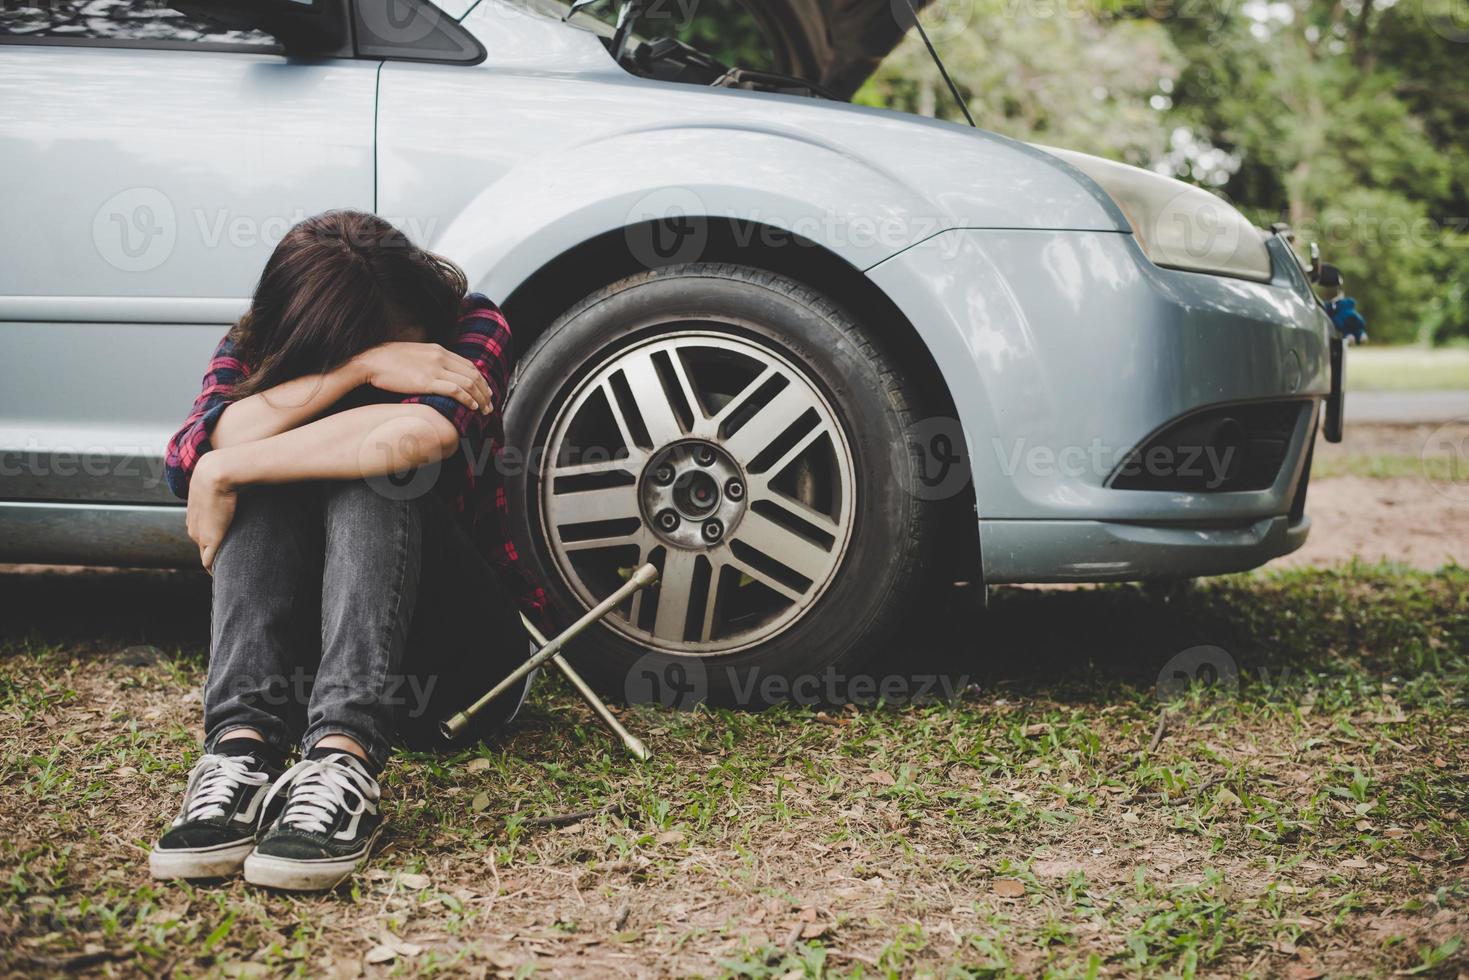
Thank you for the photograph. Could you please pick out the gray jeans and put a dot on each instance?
(340, 608)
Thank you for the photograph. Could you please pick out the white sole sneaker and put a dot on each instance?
(291, 874)
(220, 861)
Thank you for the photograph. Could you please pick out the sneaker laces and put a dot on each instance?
(214, 782)
(319, 789)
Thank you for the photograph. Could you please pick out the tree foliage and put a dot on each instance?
(1343, 117)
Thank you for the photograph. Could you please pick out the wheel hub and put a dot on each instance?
(692, 494)
(719, 461)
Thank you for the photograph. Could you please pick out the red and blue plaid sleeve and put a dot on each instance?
(497, 545)
(226, 370)
(484, 339)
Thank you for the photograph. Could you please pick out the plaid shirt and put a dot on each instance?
(475, 492)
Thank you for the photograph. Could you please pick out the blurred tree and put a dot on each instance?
(1067, 80)
(1334, 134)
(1343, 117)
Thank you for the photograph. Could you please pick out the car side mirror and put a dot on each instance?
(313, 28)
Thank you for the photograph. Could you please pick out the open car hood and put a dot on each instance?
(835, 43)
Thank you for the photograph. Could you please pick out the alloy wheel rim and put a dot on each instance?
(717, 459)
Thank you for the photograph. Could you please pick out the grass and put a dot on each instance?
(1307, 814)
(1387, 466)
(1383, 451)
(1407, 368)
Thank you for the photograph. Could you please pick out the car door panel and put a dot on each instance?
(143, 192)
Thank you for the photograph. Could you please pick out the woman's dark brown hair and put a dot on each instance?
(337, 284)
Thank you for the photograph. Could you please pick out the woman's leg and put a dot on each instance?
(264, 631)
(264, 635)
(369, 589)
(415, 623)
(466, 637)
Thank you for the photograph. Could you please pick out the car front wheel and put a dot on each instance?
(745, 435)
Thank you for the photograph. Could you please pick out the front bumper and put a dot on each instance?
(1101, 551)
(1064, 351)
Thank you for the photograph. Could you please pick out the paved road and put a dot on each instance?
(1407, 406)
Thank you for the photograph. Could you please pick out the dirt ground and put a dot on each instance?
(1364, 439)
(1419, 519)
(1399, 519)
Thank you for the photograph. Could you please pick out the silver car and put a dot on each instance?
(802, 355)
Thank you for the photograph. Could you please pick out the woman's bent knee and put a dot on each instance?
(270, 523)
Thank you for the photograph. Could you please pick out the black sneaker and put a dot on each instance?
(326, 829)
(221, 814)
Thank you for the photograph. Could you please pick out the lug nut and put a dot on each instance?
(704, 456)
(663, 474)
(668, 520)
(734, 490)
(713, 531)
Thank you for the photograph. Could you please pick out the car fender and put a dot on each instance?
(544, 207)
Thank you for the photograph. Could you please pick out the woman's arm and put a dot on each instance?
(373, 440)
(286, 406)
(403, 367)
(191, 442)
(277, 436)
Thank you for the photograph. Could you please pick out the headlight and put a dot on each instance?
(1176, 224)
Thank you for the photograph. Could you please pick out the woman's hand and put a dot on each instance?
(425, 369)
(211, 507)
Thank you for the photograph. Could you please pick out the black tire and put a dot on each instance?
(891, 534)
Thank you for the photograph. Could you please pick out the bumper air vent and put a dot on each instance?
(1223, 449)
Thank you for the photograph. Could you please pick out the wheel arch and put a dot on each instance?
(533, 305)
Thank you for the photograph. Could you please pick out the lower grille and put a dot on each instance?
(1222, 449)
